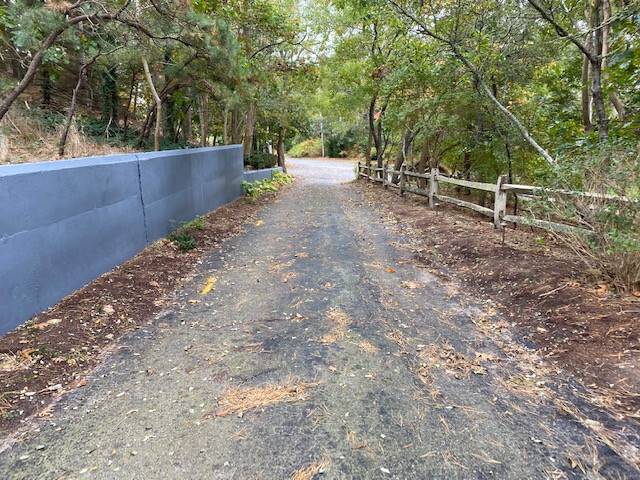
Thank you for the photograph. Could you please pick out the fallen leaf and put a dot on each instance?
(48, 323)
(194, 301)
(637, 294)
(47, 412)
(153, 283)
(390, 270)
(58, 359)
(332, 368)
(26, 353)
(81, 382)
(207, 288)
(259, 223)
(108, 309)
(410, 285)
(542, 330)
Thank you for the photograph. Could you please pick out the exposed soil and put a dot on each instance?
(54, 351)
(573, 321)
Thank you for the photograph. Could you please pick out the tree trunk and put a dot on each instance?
(596, 77)
(235, 128)
(203, 106)
(367, 153)
(225, 127)
(247, 141)
(281, 162)
(31, 72)
(156, 98)
(125, 121)
(322, 135)
(586, 98)
(72, 111)
(615, 101)
(188, 126)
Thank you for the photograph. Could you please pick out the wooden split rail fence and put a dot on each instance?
(407, 181)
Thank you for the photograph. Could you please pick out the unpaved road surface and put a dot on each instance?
(320, 347)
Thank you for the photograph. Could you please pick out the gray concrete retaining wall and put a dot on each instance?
(253, 175)
(64, 223)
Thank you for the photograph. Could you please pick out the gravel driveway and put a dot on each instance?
(317, 350)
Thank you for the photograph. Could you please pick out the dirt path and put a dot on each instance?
(320, 346)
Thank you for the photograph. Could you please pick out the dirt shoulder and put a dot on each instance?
(579, 326)
(54, 351)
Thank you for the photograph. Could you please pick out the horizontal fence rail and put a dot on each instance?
(426, 185)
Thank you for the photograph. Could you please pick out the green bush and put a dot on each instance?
(307, 148)
(259, 160)
(258, 187)
(283, 178)
(183, 240)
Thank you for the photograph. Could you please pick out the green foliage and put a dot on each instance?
(183, 240)
(260, 160)
(259, 187)
(311, 147)
(198, 223)
(182, 236)
(283, 178)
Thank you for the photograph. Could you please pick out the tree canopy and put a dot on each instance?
(478, 88)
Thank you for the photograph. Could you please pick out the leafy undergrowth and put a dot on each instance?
(258, 187)
(575, 324)
(53, 352)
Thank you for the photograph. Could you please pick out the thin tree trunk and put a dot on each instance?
(156, 97)
(372, 127)
(188, 127)
(125, 122)
(235, 128)
(225, 127)
(203, 106)
(586, 99)
(615, 101)
(596, 77)
(71, 113)
(247, 141)
(322, 135)
(367, 153)
(281, 162)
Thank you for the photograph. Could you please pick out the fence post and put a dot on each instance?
(402, 180)
(384, 176)
(500, 204)
(359, 170)
(433, 188)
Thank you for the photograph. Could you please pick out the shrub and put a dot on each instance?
(307, 148)
(259, 160)
(612, 250)
(283, 178)
(183, 240)
(267, 185)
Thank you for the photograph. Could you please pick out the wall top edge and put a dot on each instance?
(263, 170)
(53, 165)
